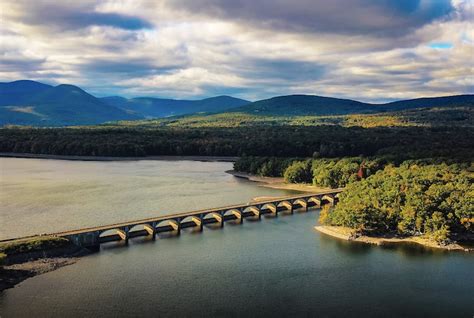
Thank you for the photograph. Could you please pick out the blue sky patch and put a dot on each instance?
(441, 45)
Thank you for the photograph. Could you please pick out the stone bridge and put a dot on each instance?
(89, 237)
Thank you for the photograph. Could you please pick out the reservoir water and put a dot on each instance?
(275, 267)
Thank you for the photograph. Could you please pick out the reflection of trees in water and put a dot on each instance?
(413, 250)
(407, 250)
(354, 248)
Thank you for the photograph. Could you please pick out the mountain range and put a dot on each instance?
(150, 107)
(32, 103)
(301, 105)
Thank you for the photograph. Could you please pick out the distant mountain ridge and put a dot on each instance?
(32, 103)
(37, 104)
(151, 107)
(300, 105)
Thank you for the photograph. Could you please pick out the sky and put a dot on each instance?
(369, 50)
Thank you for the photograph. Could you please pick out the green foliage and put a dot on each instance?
(298, 172)
(455, 116)
(332, 173)
(323, 141)
(263, 166)
(324, 214)
(339, 173)
(413, 199)
(33, 244)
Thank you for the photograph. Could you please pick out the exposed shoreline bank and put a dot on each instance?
(22, 266)
(12, 275)
(347, 234)
(277, 183)
(107, 158)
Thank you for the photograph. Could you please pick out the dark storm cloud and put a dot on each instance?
(380, 18)
(81, 16)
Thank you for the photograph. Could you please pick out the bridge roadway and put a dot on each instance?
(93, 236)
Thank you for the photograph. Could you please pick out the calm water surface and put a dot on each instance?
(276, 267)
(55, 195)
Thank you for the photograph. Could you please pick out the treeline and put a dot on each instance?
(431, 197)
(283, 141)
(330, 172)
(432, 200)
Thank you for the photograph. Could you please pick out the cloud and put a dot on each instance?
(69, 15)
(363, 49)
(379, 18)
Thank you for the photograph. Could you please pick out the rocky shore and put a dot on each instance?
(348, 234)
(25, 258)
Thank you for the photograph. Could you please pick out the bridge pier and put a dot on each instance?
(123, 233)
(90, 239)
(198, 221)
(221, 219)
(153, 233)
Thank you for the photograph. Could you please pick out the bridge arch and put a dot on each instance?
(316, 201)
(327, 199)
(145, 226)
(214, 215)
(252, 209)
(168, 225)
(237, 213)
(286, 204)
(111, 232)
(300, 203)
(269, 206)
(196, 219)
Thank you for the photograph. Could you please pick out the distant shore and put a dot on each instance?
(107, 158)
(277, 183)
(347, 234)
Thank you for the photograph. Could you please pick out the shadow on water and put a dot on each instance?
(407, 250)
(411, 250)
(354, 248)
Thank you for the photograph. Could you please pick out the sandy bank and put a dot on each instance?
(12, 275)
(277, 183)
(28, 257)
(101, 158)
(348, 234)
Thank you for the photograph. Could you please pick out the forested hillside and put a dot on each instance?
(301, 105)
(158, 107)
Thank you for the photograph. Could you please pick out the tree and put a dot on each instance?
(299, 172)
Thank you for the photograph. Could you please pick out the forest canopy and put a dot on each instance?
(432, 200)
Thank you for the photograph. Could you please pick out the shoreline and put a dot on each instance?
(347, 234)
(276, 183)
(19, 267)
(110, 158)
(14, 274)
